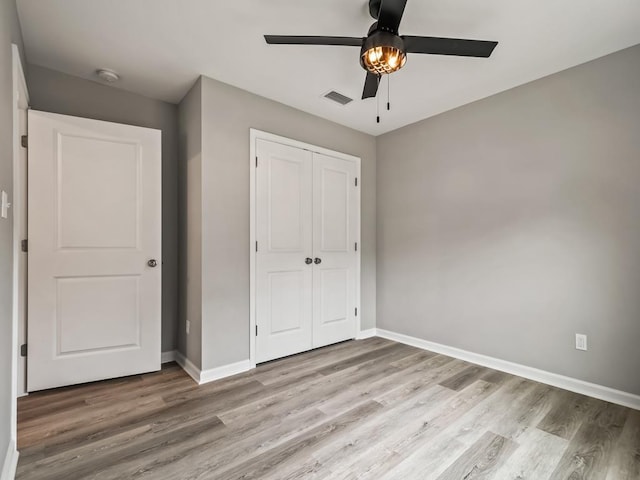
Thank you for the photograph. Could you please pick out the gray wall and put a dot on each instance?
(9, 33)
(227, 115)
(56, 92)
(508, 225)
(190, 191)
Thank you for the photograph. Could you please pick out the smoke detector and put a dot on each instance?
(107, 75)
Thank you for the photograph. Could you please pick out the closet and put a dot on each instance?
(306, 264)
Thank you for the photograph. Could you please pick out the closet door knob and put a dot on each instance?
(152, 263)
(317, 261)
(308, 261)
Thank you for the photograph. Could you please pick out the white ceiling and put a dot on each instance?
(161, 46)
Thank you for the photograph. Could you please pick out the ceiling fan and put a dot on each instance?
(383, 50)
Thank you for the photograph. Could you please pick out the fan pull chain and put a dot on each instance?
(388, 92)
(377, 108)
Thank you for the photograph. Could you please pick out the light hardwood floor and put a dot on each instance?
(369, 409)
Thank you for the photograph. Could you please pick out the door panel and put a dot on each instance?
(334, 294)
(333, 209)
(94, 222)
(335, 233)
(107, 181)
(287, 302)
(113, 321)
(287, 220)
(283, 226)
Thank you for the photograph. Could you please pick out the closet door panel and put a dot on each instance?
(335, 231)
(284, 242)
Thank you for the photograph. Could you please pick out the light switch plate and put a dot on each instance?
(4, 213)
(581, 341)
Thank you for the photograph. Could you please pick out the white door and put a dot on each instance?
(284, 250)
(307, 269)
(335, 236)
(94, 250)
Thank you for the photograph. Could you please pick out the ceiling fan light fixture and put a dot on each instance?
(383, 50)
(383, 53)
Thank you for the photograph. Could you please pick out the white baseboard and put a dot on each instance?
(168, 357)
(567, 383)
(362, 334)
(210, 375)
(188, 366)
(10, 462)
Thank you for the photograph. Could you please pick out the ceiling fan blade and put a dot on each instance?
(390, 14)
(313, 40)
(370, 85)
(449, 46)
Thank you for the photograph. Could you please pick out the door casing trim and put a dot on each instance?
(254, 136)
(20, 102)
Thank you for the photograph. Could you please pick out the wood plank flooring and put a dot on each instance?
(370, 409)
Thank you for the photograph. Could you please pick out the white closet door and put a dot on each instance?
(94, 226)
(284, 242)
(335, 233)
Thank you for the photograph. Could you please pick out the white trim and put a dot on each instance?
(188, 366)
(213, 374)
(567, 383)
(260, 134)
(21, 80)
(206, 376)
(20, 97)
(254, 135)
(359, 252)
(10, 462)
(168, 357)
(366, 334)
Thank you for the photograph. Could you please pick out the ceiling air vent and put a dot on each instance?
(338, 97)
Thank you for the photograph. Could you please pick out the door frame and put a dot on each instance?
(20, 102)
(254, 136)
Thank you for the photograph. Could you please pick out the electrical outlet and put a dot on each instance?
(4, 209)
(188, 326)
(581, 341)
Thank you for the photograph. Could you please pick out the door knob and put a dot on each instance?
(308, 261)
(152, 263)
(317, 261)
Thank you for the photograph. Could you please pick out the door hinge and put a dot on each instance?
(24, 245)
(356, 181)
(24, 141)
(356, 311)
(356, 246)
(256, 162)
(23, 350)
(256, 246)
(256, 330)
